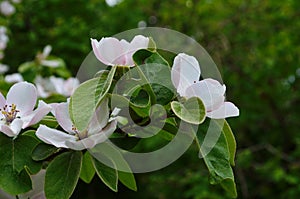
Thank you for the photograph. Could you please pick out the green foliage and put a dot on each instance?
(255, 44)
(16, 163)
(62, 175)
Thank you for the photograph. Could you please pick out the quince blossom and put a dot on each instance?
(112, 51)
(98, 130)
(16, 112)
(185, 75)
(48, 86)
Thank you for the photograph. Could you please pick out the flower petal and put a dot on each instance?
(13, 78)
(37, 115)
(23, 95)
(227, 109)
(185, 71)
(58, 84)
(2, 101)
(210, 91)
(109, 51)
(100, 118)
(93, 140)
(54, 137)
(13, 129)
(63, 117)
(137, 43)
(70, 85)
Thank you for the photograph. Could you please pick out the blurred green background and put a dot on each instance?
(255, 44)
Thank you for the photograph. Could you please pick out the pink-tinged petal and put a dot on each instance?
(185, 72)
(99, 119)
(13, 129)
(63, 117)
(54, 137)
(137, 43)
(210, 91)
(109, 51)
(227, 109)
(23, 95)
(91, 141)
(37, 115)
(2, 101)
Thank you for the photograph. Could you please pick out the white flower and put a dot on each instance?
(13, 78)
(48, 86)
(98, 130)
(112, 51)
(3, 68)
(185, 75)
(65, 87)
(17, 110)
(6, 8)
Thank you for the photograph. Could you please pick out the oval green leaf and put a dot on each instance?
(62, 175)
(192, 111)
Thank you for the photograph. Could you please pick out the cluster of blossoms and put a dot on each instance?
(19, 110)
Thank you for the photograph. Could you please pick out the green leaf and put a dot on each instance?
(15, 156)
(217, 156)
(49, 121)
(108, 175)
(107, 153)
(123, 102)
(157, 72)
(14, 182)
(128, 180)
(62, 175)
(87, 97)
(192, 111)
(226, 130)
(17, 153)
(87, 171)
(43, 151)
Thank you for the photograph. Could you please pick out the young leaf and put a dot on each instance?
(108, 175)
(62, 175)
(87, 171)
(192, 111)
(87, 97)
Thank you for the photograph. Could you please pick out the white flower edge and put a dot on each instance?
(111, 51)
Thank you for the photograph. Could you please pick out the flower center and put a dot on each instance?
(80, 135)
(10, 113)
